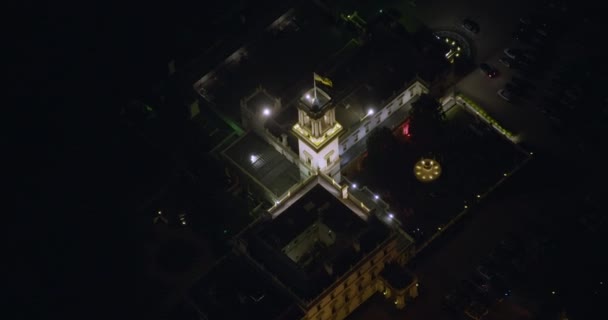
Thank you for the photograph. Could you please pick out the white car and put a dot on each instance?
(505, 94)
(506, 61)
(512, 53)
(182, 219)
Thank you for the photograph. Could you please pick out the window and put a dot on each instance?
(309, 161)
(328, 157)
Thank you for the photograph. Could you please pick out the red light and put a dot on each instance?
(406, 129)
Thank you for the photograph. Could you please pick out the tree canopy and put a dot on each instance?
(427, 121)
(383, 151)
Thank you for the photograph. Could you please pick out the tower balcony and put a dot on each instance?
(317, 142)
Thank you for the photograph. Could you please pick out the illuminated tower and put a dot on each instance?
(317, 131)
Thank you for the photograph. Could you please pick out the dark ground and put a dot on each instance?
(78, 167)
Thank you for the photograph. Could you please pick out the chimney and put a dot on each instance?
(345, 191)
(357, 245)
(284, 139)
(329, 268)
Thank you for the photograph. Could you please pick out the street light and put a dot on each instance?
(266, 111)
(369, 113)
(354, 185)
(253, 158)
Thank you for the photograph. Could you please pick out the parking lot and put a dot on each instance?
(497, 24)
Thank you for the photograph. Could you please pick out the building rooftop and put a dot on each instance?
(259, 101)
(365, 76)
(354, 107)
(397, 276)
(234, 289)
(264, 163)
(316, 240)
(314, 102)
(280, 59)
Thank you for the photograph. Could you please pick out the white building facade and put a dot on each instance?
(403, 100)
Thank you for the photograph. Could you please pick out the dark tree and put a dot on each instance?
(383, 152)
(427, 123)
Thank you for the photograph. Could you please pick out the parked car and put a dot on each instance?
(542, 31)
(500, 287)
(523, 36)
(513, 53)
(470, 25)
(481, 284)
(506, 61)
(484, 271)
(529, 36)
(470, 289)
(529, 56)
(488, 70)
(497, 270)
(476, 310)
(455, 301)
(505, 94)
(534, 20)
(182, 219)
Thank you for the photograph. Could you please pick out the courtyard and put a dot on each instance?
(473, 158)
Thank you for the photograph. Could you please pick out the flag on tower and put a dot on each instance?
(323, 80)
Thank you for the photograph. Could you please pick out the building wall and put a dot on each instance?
(354, 289)
(399, 297)
(318, 159)
(376, 120)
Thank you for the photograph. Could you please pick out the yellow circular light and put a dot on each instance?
(427, 170)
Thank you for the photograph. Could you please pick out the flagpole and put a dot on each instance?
(314, 83)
